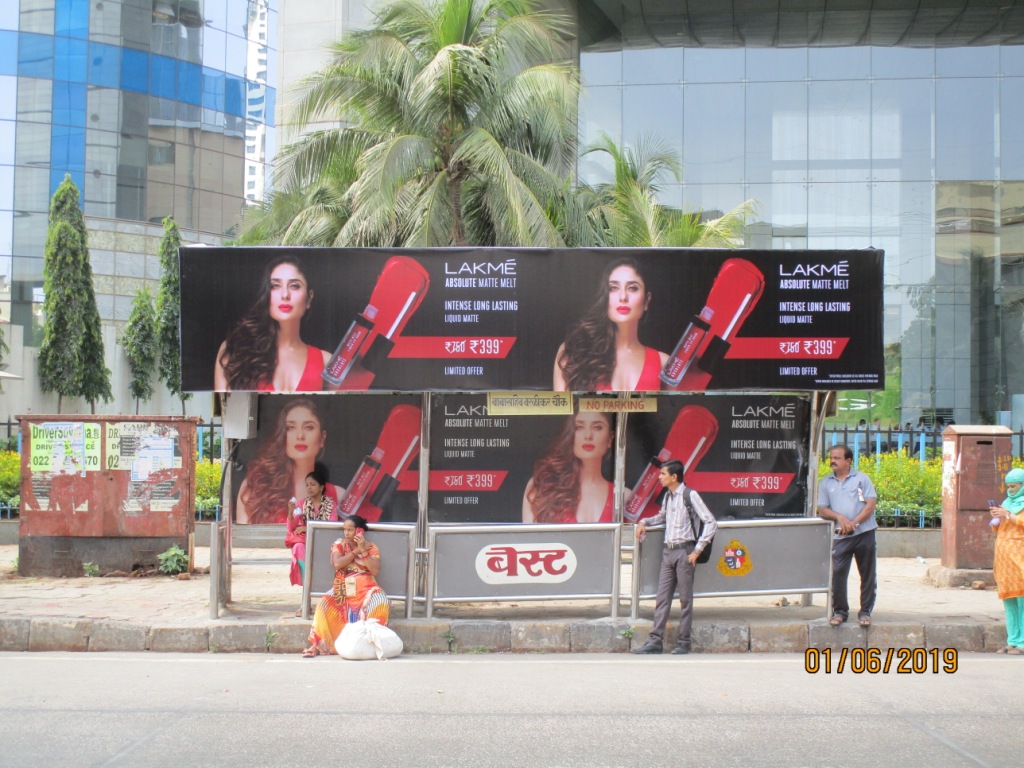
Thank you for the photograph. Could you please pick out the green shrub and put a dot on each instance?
(173, 561)
(902, 482)
(208, 479)
(10, 476)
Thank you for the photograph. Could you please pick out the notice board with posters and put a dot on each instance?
(110, 490)
(464, 320)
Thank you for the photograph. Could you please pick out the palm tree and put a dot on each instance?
(626, 211)
(462, 124)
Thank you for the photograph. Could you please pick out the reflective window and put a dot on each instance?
(134, 71)
(35, 55)
(190, 83)
(838, 215)
(234, 96)
(600, 112)
(214, 49)
(1011, 127)
(69, 100)
(839, 131)
(713, 123)
(974, 61)
(104, 65)
(72, 18)
(964, 128)
(1011, 60)
(776, 132)
(70, 58)
(776, 64)
(213, 89)
(8, 53)
(901, 129)
(163, 77)
(654, 112)
(903, 63)
(708, 65)
(652, 65)
(852, 63)
(602, 68)
(215, 12)
(6, 185)
(8, 99)
(9, 15)
(235, 55)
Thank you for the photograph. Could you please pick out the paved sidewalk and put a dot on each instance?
(164, 613)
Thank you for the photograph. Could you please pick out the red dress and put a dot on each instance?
(648, 381)
(606, 513)
(297, 541)
(311, 379)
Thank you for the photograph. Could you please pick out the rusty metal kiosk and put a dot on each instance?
(111, 491)
(974, 461)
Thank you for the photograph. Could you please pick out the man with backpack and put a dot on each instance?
(689, 528)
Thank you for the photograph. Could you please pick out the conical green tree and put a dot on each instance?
(461, 118)
(140, 344)
(71, 361)
(168, 312)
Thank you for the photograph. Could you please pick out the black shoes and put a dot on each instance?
(651, 646)
(681, 648)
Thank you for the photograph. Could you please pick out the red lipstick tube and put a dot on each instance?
(646, 487)
(351, 348)
(737, 287)
(400, 288)
(361, 482)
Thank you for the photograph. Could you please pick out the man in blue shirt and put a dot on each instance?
(679, 558)
(847, 498)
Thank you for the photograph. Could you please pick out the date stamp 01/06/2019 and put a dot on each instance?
(871, 661)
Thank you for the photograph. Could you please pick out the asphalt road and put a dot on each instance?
(148, 709)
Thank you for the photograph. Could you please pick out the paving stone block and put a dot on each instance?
(820, 634)
(179, 639)
(778, 638)
(963, 637)
(288, 637)
(886, 636)
(118, 636)
(14, 634)
(540, 637)
(423, 635)
(482, 636)
(239, 638)
(59, 634)
(599, 636)
(720, 638)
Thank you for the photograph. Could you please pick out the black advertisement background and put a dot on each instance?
(529, 438)
(553, 290)
(353, 424)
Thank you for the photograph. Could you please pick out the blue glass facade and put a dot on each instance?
(155, 107)
(916, 150)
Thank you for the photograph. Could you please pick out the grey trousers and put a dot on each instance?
(676, 571)
(861, 548)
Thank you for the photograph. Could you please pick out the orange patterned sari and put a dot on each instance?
(356, 596)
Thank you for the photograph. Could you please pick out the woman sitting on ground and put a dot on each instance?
(356, 596)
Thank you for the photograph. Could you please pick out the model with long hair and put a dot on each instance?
(568, 483)
(284, 460)
(602, 352)
(265, 351)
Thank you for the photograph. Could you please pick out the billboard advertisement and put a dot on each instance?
(745, 454)
(458, 320)
(366, 448)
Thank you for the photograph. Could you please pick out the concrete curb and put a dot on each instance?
(429, 636)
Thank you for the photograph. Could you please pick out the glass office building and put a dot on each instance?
(851, 127)
(154, 107)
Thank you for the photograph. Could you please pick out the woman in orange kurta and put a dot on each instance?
(1008, 564)
(356, 596)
